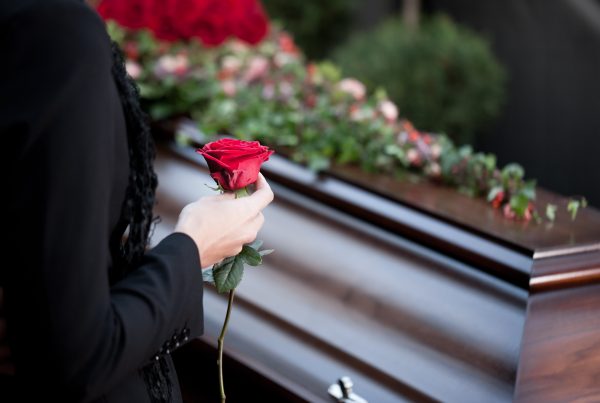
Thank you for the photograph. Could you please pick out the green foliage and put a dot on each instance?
(444, 77)
(317, 26)
(312, 115)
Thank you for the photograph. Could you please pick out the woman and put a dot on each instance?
(90, 317)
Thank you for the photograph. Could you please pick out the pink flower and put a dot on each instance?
(268, 91)
(413, 157)
(353, 87)
(133, 69)
(389, 110)
(508, 212)
(286, 89)
(257, 68)
(228, 87)
(171, 65)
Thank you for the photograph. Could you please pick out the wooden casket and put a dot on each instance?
(414, 291)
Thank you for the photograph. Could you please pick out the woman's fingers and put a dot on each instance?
(263, 194)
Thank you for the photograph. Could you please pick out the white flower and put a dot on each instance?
(353, 87)
(231, 64)
(281, 59)
(360, 114)
(389, 110)
(436, 150)
(133, 69)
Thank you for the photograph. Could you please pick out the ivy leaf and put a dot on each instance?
(519, 204)
(573, 207)
(551, 212)
(513, 171)
(228, 273)
(207, 276)
(250, 256)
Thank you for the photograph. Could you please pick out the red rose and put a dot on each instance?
(248, 21)
(132, 14)
(234, 164)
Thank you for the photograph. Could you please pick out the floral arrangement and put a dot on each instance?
(309, 112)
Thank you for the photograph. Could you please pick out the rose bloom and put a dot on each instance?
(171, 65)
(229, 87)
(257, 68)
(413, 157)
(353, 87)
(234, 164)
(133, 69)
(286, 43)
(389, 110)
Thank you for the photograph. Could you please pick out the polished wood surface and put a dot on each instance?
(561, 347)
(549, 238)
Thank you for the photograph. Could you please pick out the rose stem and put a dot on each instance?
(221, 337)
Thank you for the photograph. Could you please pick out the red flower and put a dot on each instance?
(497, 202)
(286, 43)
(234, 164)
(134, 14)
(211, 21)
(248, 20)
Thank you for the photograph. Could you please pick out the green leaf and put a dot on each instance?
(228, 273)
(519, 204)
(207, 276)
(529, 189)
(515, 171)
(266, 252)
(551, 212)
(250, 256)
(573, 207)
(256, 244)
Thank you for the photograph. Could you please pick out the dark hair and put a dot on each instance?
(136, 212)
(140, 194)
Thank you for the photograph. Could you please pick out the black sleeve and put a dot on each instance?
(71, 332)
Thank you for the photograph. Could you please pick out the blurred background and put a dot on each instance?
(544, 108)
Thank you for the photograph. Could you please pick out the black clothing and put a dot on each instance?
(74, 336)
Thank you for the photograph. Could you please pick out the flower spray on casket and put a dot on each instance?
(234, 165)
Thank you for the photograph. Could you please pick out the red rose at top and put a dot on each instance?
(234, 164)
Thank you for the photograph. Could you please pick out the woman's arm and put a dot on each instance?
(71, 334)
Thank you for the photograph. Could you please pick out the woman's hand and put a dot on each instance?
(6, 365)
(220, 225)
